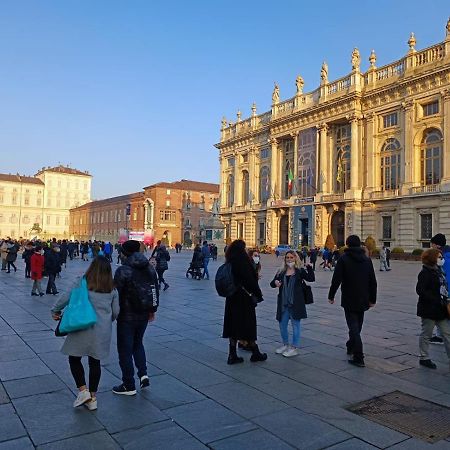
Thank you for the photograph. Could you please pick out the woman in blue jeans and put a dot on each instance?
(291, 300)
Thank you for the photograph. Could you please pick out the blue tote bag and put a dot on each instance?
(79, 314)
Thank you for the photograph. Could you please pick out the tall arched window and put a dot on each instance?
(390, 164)
(342, 164)
(431, 157)
(287, 179)
(264, 184)
(245, 187)
(307, 163)
(230, 190)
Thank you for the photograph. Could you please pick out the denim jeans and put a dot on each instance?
(355, 320)
(129, 347)
(36, 287)
(285, 317)
(205, 268)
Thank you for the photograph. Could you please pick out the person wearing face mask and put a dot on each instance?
(432, 290)
(255, 259)
(37, 267)
(439, 241)
(291, 300)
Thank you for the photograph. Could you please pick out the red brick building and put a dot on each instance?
(173, 212)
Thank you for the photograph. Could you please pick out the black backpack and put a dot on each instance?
(224, 281)
(143, 293)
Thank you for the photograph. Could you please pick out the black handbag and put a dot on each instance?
(59, 333)
(307, 293)
(253, 298)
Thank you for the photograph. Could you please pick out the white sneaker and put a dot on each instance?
(282, 349)
(82, 397)
(291, 352)
(92, 405)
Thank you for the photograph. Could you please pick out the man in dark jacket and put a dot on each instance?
(137, 285)
(354, 273)
(52, 267)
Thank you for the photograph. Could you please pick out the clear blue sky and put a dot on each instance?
(134, 91)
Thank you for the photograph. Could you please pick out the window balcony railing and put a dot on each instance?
(426, 189)
(379, 195)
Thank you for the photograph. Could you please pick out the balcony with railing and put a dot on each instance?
(332, 198)
(338, 86)
(381, 195)
(426, 189)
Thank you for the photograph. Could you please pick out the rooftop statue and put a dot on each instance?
(276, 94)
(356, 59)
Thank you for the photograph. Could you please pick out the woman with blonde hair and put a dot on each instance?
(93, 342)
(291, 300)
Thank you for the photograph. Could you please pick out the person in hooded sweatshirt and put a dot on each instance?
(137, 284)
(354, 273)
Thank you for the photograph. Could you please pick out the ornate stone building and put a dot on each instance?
(39, 205)
(172, 212)
(368, 154)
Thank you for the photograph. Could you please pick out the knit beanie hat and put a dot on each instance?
(439, 239)
(130, 247)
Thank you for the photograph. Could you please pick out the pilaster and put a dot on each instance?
(446, 135)
(274, 162)
(408, 139)
(324, 172)
(372, 153)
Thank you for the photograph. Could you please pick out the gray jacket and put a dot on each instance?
(96, 340)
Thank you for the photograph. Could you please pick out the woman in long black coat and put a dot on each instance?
(239, 322)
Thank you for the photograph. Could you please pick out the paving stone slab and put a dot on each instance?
(93, 441)
(208, 421)
(243, 400)
(352, 444)
(4, 398)
(24, 368)
(167, 392)
(416, 444)
(257, 439)
(10, 424)
(17, 444)
(121, 412)
(41, 384)
(301, 430)
(165, 435)
(61, 420)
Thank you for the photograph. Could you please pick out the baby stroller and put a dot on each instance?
(195, 270)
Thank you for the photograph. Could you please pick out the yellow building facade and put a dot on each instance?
(366, 154)
(39, 205)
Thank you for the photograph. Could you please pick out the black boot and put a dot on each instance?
(233, 358)
(257, 355)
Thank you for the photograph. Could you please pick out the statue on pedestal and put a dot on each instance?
(356, 59)
(324, 73)
(276, 94)
(299, 83)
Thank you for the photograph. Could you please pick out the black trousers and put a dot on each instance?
(160, 273)
(77, 369)
(51, 286)
(355, 320)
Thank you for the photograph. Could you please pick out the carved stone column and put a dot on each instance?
(253, 175)
(355, 183)
(274, 163)
(295, 137)
(237, 181)
(324, 172)
(446, 147)
(409, 163)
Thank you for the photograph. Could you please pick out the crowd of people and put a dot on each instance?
(131, 296)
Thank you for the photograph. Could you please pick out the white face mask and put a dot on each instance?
(42, 252)
(290, 264)
(256, 259)
(440, 262)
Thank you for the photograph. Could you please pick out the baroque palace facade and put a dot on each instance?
(171, 212)
(366, 154)
(39, 205)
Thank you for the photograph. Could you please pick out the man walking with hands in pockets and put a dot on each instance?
(354, 273)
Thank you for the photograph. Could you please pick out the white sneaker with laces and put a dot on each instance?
(282, 349)
(291, 352)
(92, 405)
(82, 397)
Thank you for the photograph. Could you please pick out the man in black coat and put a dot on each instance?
(137, 284)
(354, 273)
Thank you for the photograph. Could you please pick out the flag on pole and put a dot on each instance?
(291, 179)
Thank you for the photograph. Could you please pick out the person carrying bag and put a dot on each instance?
(88, 312)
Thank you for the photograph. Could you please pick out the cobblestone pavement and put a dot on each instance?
(196, 400)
